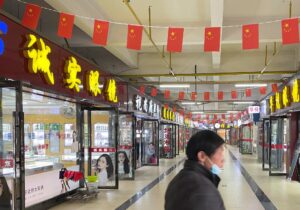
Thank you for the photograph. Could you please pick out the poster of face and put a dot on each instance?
(104, 168)
(124, 164)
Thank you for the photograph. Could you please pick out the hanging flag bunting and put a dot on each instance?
(65, 25)
(250, 36)
(154, 92)
(175, 37)
(223, 116)
(166, 106)
(207, 116)
(134, 37)
(220, 95)
(1, 3)
(167, 94)
(234, 94)
(174, 108)
(215, 116)
(181, 95)
(206, 96)
(274, 88)
(142, 89)
(248, 92)
(182, 112)
(193, 96)
(31, 16)
(100, 32)
(212, 36)
(290, 31)
(263, 90)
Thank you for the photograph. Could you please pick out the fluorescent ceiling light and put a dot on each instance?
(232, 111)
(188, 103)
(196, 112)
(174, 86)
(199, 103)
(243, 102)
(251, 85)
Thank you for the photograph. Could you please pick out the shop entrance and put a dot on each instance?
(167, 141)
(12, 171)
(100, 131)
(265, 144)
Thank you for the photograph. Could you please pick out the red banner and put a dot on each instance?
(134, 37)
(31, 16)
(65, 25)
(100, 32)
(126, 147)
(263, 90)
(175, 37)
(167, 94)
(103, 149)
(220, 95)
(212, 39)
(290, 31)
(250, 37)
(6, 163)
(274, 88)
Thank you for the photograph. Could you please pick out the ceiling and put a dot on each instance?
(194, 15)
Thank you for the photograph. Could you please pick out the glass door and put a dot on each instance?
(277, 146)
(126, 146)
(101, 140)
(12, 173)
(167, 141)
(265, 144)
(150, 142)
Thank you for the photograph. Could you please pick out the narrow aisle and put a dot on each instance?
(112, 199)
(235, 191)
(284, 194)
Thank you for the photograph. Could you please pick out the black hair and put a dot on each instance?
(206, 141)
(110, 168)
(126, 162)
(5, 198)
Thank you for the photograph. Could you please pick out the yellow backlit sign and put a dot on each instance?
(168, 114)
(111, 90)
(278, 100)
(272, 103)
(72, 69)
(286, 96)
(92, 79)
(296, 92)
(37, 53)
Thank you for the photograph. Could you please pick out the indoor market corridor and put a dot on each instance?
(244, 186)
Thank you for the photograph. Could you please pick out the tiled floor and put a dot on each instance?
(234, 188)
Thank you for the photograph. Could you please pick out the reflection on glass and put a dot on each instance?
(101, 135)
(149, 139)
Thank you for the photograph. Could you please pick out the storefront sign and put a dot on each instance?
(168, 114)
(3, 30)
(38, 190)
(278, 100)
(111, 91)
(253, 109)
(71, 71)
(145, 105)
(296, 91)
(104, 149)
(272, 103)
(93, 83)
(286, 96)
(6, 163)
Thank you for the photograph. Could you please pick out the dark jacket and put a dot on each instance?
(194, 188)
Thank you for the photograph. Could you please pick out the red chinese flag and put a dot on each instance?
(65, 26)
(223, 116)
(167, 94)
(154, 92)
(207, 116)
(290, 31)
(212, 36)
(181, 95)
(166, 106)
(215, 116)
(250, 37)
(263, 90)
(100, 32)
(175, 37)
(220, 95)
(142, 89)
(274, 88)
(1, 3)
(193, 96)
(134, 37)
(182, 112)
(31, 16)
(206, 96)
(174, 108)
(248, 92)
(234, 94)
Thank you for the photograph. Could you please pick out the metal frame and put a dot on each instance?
(157, 139)
(178, 140)
(263, 146)
(240, 144)
(270, 148)
(90, 110)
(19, 152)
(133, 144)
(173, 141)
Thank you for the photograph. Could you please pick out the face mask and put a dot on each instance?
(215, 169)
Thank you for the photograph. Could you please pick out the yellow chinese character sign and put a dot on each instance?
(37, 53)
(278, 100)
(296, 92)
(72, 69)
(111, 90)
(92, 79)
(286, 96)
(272, 104)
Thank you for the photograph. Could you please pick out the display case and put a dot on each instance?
(167, 141)
(150, 142)
(246, 139)
(68, 129)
